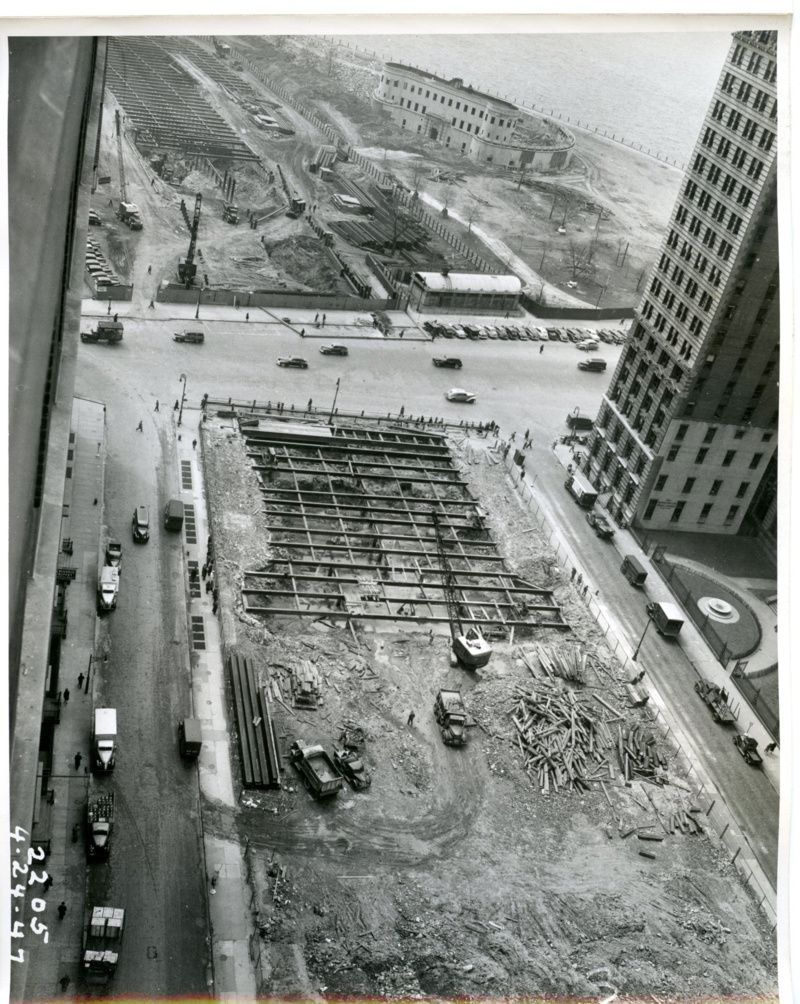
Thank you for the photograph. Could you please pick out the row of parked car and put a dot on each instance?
(520, 332)
(97, 266)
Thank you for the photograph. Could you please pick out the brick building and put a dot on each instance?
(686, 435)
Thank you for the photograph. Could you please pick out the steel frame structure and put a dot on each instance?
(352, 528)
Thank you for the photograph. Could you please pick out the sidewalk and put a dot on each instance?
(230, 916)
(66, 863)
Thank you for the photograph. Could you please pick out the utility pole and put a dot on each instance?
(333, 406)
(636, 650)
(182, 377)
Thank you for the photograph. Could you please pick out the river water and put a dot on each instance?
(651, 89)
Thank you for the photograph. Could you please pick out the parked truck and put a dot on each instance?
(99, 822)
(107, 588)
(104, 739)
(451, 716)
(173, 515)
(667, 618)
(230, 212)
(102, 940)
(317, 768)
(106, 331)
(716, 698)
(581, 489)
(128, 213)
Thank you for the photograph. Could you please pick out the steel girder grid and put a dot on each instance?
(350, 520)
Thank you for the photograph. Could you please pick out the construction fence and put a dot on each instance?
(712, 802)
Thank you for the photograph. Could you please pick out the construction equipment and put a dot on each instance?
(716, 698)
(469, 647)
(748, 747)
(99, 821)
(230, 212)
(102, 938)
(319, 771)
(187, 270)
(351, 767)
(451, 716)
(128, 212)
(297, 206)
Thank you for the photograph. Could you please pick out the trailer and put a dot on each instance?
(717, 700)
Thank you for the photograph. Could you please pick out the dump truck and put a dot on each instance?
(104, 739)
(667, 618)
(102, 939)
(99, 822)
(107, 588)
(716, 698)
(451, 716)
(317, 768)
(128, 213)
(106, 331)
(581, 489)
(230, 212)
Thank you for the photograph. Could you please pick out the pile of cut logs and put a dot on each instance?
(561, 739)
(568, 663)
(639, 754)
(302, 682)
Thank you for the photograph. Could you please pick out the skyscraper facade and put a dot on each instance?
(686, 435)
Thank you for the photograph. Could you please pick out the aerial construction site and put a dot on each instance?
(447, 784)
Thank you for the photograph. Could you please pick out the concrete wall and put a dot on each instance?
(228, 297)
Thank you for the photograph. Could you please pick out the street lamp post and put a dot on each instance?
(333, 406)
(182, 377)
(636, 651)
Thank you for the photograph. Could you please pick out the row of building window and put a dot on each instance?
(719, 210)
(442, 98)
(702, 453)
(743, 91)
(677, 512)
(723, 144)
(754, 63)
(689, 483)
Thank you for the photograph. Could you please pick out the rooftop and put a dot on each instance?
(469, 282)
(453, 82)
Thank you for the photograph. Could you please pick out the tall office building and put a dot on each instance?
(686, 435)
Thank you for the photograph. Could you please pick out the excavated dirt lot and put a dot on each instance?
(453, 876)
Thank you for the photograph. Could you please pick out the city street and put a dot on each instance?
(156, 865)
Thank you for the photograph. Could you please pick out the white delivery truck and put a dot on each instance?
(104, 739)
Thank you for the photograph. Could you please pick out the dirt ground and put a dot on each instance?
(453, 876)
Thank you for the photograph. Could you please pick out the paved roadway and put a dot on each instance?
(156, 866)
(517, 386)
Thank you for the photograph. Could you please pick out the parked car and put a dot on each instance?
(350, 765)
(460, 396)
(140, 524)
(588, 345)
(334, 349)
(190, 337)
(448, 362)
(114, 554)
(600, 525)
(296, 362)
(94, 218)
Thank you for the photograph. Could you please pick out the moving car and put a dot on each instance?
(334, 349)
(460, 396)
(140, 524)
(296, 362)
(588, 345)
(600, 525)
(192, 337)
(449, 362)
(595, 365)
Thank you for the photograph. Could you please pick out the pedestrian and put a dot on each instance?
(66, 696)
(81, 678)
(308, 406)
(411, 718)
(95, 502)
(149, 269)
(541, 349)
(302, 332)
(585, 589)
(152, 182)
(62, 909)
(247, 316)
(75, 833)
(157, 407)
(204, 572)
(214, 607)
(323, 320)
(64, 982)
(402, 332)
(139, 427)
(116, 318)
(151, 306)
(770, 747)
(572, 575)
(77, 760)
(316, 318)
(194, 444)
(209, 584)
(216, 595)
(48, 882)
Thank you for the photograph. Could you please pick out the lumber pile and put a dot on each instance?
(561, 739)
(301, 682)
(638, 753)
(559, 660)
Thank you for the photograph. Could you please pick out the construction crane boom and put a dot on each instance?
(123, 191)
(186, 266)
(470, 647)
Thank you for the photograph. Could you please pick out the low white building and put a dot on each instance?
(475, 292)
